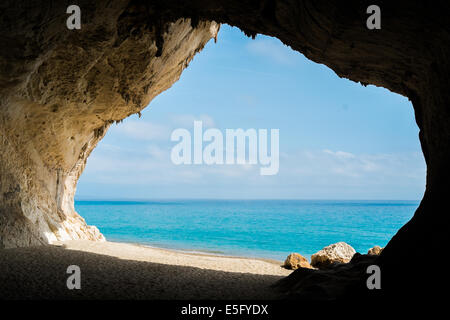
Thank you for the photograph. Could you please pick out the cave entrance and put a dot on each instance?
(351, 167)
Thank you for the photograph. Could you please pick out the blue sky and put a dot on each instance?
(338, 139)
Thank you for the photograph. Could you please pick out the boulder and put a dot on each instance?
(295, 261)
(339, 252)
(375, 250)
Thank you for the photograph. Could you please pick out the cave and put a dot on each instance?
(61, 89)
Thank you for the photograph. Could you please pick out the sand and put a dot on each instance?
(179, 258)
(112, 270)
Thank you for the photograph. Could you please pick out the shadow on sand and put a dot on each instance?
(41, 273)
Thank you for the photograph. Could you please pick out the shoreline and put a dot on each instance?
(146, 253)
(199, 252)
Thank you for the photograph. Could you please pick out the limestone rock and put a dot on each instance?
(295, 261)
(375, 250)
(61, 90)
(339, 252)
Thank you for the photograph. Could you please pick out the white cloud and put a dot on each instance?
(303, 174)
(327, 168)
(340, 154)
(273, 49)
(344, 168)
(187, 120)
(157, 152)
(144, 130)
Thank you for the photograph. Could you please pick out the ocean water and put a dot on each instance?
(252, 228)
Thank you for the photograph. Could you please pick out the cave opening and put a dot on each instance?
(61, 90)
(351, 166)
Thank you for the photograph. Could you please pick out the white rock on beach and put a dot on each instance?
(337, 252)
(295, 261)
(375, 250)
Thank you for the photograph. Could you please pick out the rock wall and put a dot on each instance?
(62, 89)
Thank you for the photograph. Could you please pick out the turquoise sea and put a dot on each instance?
(252, 228)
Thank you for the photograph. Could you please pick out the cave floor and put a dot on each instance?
(41, 273)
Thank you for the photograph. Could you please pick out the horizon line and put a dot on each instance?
(234, 199)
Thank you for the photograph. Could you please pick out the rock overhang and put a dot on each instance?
(62, 89)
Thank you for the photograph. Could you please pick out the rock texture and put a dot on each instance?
(295, 261)
(343, 281)
(339, 252)
(375, 250)
(61, 89)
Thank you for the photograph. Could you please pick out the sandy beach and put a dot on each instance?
(112, 270)
(138, 252)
